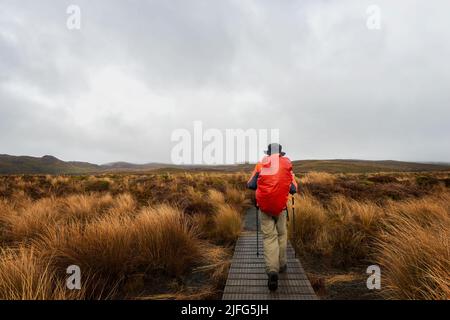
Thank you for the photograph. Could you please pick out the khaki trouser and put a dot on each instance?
(274, 232)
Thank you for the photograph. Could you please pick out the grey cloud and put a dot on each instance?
(137, 70)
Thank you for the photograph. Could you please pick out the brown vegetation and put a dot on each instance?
(170, 235)
(408, 236)
(137, 237)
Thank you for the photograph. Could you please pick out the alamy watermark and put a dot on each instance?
(74, 19)
(73, 282)
(373, 21)
(374, 280)
(213, 146)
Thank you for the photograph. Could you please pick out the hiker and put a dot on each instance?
(273, 181)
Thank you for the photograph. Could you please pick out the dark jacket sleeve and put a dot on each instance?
(293, 189)
(253, 182)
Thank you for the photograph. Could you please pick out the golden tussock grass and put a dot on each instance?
(310, 225)
(82, 207)
(235, 197)
(408, 239)
(116, 237)
(26, 223)
(318, 178)
(163, 228)
(352, 227)
(216, 197)
(158, 238)
(227, 224)
(224, 225)
(342, 231)
(23, 276)
(414, 249)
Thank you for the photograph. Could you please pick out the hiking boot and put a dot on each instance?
(273, 281)
(283, 268)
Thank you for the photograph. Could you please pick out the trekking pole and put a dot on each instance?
(293, 226)
(257, 229)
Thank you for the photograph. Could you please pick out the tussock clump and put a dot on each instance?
(195, 201)
(98, 184)
(204, 225)
(353, 226)
(323, 178)
(29, 222)
(102, 246)
(227, 224)
(159, 239)
(217, 260)
(216, 197)
(342, 232)
(310, 225)
(382, 178)
(84, 208)
(236, 198)
(6, 211)
(23, 276)
(123, 205)
(166, 239)
(424, 212)
(414, 250)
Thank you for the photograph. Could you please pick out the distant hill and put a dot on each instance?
(51, 165)
(119, 166)
(365, 166)
(45, 165)
(341, 166)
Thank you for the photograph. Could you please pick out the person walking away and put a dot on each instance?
(273, 181)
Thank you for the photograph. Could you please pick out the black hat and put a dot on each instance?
(274, 148)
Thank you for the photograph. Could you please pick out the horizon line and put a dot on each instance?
(229, 164)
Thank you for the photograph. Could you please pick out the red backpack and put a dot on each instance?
(274, 177)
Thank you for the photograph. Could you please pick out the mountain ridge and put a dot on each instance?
(51, 165)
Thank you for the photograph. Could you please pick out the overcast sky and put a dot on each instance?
(137, 70)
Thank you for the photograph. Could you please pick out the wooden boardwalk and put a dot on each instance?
(247, 278)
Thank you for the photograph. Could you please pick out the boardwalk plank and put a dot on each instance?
(263, 276)
(288, 290)
(263, 282)
(247, 278)
(267, 296)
